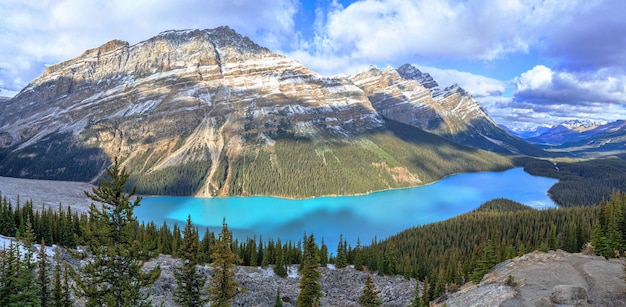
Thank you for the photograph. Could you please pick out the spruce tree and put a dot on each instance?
(114, 276)
(342, 254)
(223, 286)
(280, 269)
(310, 287)
(323, 254)
(278, 302)
(57, 288)
(358, 256)
(486, 261)
(417, 299)
(189, 282)
(43, 279)
(370, 294)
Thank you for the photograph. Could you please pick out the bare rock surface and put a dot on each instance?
(556, 278)
(340, 287)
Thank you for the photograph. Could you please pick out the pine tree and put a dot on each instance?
(19, 286)
(114, 277)
(310, 287)
(278, 302)
(342, 254)
(57, 288)
(370, 294)
(43, 280)
(358, 256)
(426, 293)
(486, 261)
(417, 299)
(323, 254)
(223, 286)
(280, 269)
(189, 282)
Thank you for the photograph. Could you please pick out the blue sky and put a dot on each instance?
(527, 62)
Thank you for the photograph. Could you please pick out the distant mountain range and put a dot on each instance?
(579, 137)
(209, 112)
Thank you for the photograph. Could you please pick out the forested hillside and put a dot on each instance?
(581, 183)
(441, 255)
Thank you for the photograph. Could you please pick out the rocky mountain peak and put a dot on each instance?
(410, 72)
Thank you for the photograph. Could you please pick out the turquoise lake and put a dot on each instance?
(379, 214)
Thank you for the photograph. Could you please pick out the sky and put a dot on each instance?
(527, 62)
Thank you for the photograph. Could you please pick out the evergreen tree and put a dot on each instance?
(486, 261)
(43, 279)
(426, 293)
(57, 288)
(323, 254)
(189, 282)
(280, 268)
(66, 298)
(358, 256)
(417, 299)
(223, 286)
(310, 287)
(114, 277)
(18, 285)
(278, 302)
(342, 254)
(370, 294)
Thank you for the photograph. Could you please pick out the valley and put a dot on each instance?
(383, 169)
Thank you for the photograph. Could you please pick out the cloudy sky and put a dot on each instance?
(527, 62)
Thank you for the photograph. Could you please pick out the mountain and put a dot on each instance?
(568, 131)
(411, 97)
(603, 140)
(527, 133)
(209, 112)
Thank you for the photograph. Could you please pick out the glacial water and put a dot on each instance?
(378, 214)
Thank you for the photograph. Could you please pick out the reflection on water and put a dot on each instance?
(379, 214)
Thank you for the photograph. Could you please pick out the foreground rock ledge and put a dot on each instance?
(556, 278)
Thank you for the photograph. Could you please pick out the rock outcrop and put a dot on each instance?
(556, 278)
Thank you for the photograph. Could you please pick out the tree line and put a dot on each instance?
(441, 256)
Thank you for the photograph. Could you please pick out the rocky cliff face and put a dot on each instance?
(409, 96)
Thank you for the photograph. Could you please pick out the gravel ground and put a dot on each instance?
(47, 192)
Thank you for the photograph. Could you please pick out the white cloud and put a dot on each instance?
(380, 31)
(35, 33)
(543, 85)
(477, 85)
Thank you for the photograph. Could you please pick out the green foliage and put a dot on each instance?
(189, 282)
(399, 156)
(417, 298)
(370, 294)
(18, 282)
(484, 263)
(310, 287)
(583, 183)
(448, 252)
(182, 179)
(223, 286)
(609, 232)
(43, 279)
(114, 277)
(57, 156)
(341, 261)
(278, 302)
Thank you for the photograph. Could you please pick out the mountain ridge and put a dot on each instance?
(194, 108)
